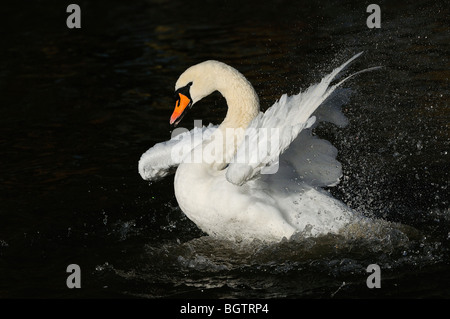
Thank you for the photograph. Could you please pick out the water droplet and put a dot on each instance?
(419, 145)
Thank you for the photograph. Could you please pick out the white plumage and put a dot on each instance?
(263, 180)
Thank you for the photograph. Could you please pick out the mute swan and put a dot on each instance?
(230, 188)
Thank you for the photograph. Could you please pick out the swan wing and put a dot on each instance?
(272, 132)
(161, 159)
(314, 159)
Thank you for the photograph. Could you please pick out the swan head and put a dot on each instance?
(195, 83)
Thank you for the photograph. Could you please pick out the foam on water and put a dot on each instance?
(206, 264)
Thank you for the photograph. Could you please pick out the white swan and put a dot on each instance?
(231, 191)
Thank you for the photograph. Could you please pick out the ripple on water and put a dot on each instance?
(299, 266)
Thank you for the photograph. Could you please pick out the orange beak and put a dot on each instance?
(180, 107)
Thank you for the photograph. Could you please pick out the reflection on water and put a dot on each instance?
(78, 108)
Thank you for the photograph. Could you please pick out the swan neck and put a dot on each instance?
(242, 100)
(243, 107)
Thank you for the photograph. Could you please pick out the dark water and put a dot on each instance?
(79, 107)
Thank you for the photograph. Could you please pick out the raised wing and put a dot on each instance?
(161, 160)
(272, 132)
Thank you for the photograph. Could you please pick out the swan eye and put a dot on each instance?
(185, 90)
